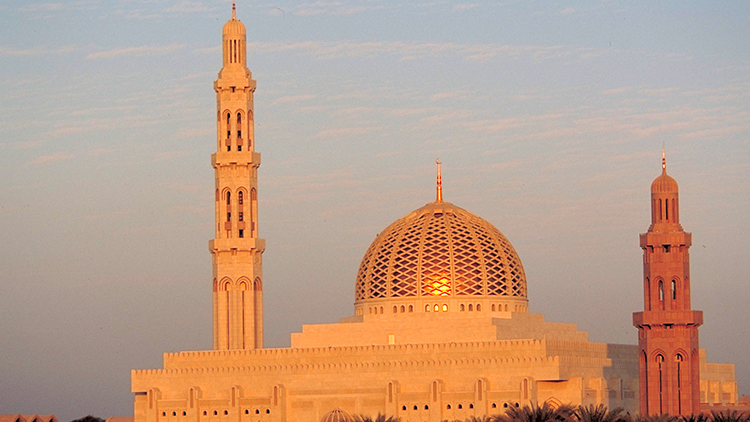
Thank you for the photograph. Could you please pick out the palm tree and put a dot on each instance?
(700, 417)
(484, 418)
(380, 418)
(600, 413)
(535, 413)
(729, 416)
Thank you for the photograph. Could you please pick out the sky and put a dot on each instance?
(549, 118)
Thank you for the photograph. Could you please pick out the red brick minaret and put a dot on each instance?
(668, 327)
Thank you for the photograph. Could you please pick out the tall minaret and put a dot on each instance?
(668, 327)
(236, 249)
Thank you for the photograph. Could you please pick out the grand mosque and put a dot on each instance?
(440, 327)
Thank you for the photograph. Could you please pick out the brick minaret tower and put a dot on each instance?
(236, 249)
(668, 327)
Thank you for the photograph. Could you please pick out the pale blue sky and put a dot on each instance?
(549, 118)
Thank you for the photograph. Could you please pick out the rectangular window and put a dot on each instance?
(229, 216)
(240, 217)
(242, 233)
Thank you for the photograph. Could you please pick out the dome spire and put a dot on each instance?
(439, 182)
(663, 158)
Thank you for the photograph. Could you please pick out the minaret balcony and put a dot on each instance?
(244, 158)
(243, 244)
(680, 238)
(653, 318)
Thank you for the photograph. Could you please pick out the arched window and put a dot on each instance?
(229, 131)
(660, 368)
(461, 307)
(678, 360)
(648, 294)
(445, 308)
(229, 206)
(403, 309)
(471, 307)
(525, 389)
(437, 308)
(395, 309)
(411, 308)
(666, 209)
(239, 131)
(479, 307)
(427, 308)
(241, 212)
(661, 211)
(661, 293)
(674, 289)
(493, 307)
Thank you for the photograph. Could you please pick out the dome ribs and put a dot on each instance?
(435, 262)
(468, 278)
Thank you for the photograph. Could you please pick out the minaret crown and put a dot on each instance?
(439, 182)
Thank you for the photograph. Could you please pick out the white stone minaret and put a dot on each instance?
(236, 249)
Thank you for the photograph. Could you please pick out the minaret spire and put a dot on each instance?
(234, 10)
(663, 158)
(439, 182)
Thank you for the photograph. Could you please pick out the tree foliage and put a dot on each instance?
(89, 418)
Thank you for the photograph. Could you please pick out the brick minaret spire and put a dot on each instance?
(236, 249)
(668, 327)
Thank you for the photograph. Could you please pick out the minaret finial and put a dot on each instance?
(439, 182)
(663, 158)
(234, 10)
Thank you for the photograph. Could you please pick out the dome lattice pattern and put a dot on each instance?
(440, 250)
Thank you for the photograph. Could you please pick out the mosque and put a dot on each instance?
(440, 329)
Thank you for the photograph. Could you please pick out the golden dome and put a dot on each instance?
(337, 415)
(664, 184)
(440, 250)
(233, 26)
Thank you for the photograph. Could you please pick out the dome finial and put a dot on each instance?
(663, 158)
(439, 182)
(234, 10)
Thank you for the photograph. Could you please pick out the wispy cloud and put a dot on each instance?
(412, 51)
(464, 6)
(187, 6)
(567, 11)
(35, 51)
(342, 132)
(51, 158)
(459, 93)
(332, 8)
(292, 99)
(59, 6)
(144, 50)
(41, 7)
